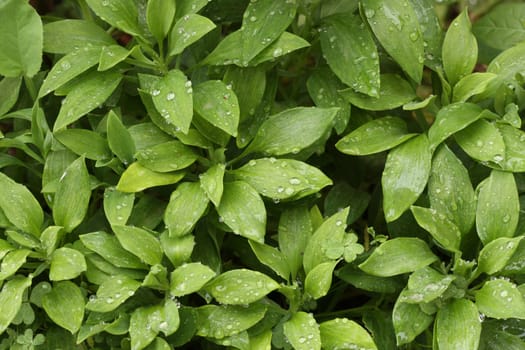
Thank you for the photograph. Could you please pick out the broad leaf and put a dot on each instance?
(496, 254)
(482, 141)
(470, 85)
(9, 91)
(295, 229)
(137, 178)
(117, 206)
(186, 206)
(444, 231)
(186, 31)
(139, 242)
(242, 209)
(514, 139)
(119, 139)
(405, 176)
(272, 258)
(140, 334)
(302, 332)
(122, 14)
(458, 326)
(65, 305)
(431, 31)
(112, 55)
(425, 285)
(212, 183)
(343, 333)
(319, 280)
(409, 321)
(166, 157)
(241, 286)
(13, 261)
(398, 256)
(66, 264)
(502, 27)
(159, 16)
(85, 143)
(68, 35)
(189, 278)
(177, 249)
(283, 45)
(111, 293)
(11, 300)
(500, 299)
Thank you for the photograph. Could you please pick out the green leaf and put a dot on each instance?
(173, 99)
(187, 7)
(507, 64)
(405, 176)
(450, 191)
(263, 22)
(217, 104)
(166, 157)
(500, 299)
(396, 26)
(187, 30)
(283, 45)
(65, 305)
(66, 264)
(228, 51)
(272, 258)
(108, 247)
(458, 326)
(341, 333)
(159, 16)
(20, 206)
(137, 178)
(398, 256)
(186, 206)
(362, 280)
(283, 178)
(409, 321)
(139, 242)
(514, 156)
(502, 27)
(459, 63)
(11, 300)
(443, 230)
(498, 207)
(50, 238)
(9, 91)
(431, 31)
(122, 14)
(140, 334)
(111, 293)
(393, 92)
(295, 229)
(145, 135)
(117, 206)
(451, 119)
(243, 210)
(482, 141)
(67, 35)
(319, 280)
(189, 278)
(85, 143)
(241, 286)
(303, 332)
(68, 67)
(12, 261)
(21, 39)
(222, 321)
(375, 136)
(112, 55)
(470, 85)
(212, 183)
(72, 196)
(425, 285)
(292, 130)
(496, 254)
(344, 39)
(86, 94)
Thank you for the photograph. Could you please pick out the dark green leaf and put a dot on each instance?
(502, 27)
(514, 139)
(341, 333)
(319, 280)
(187, 204)
(112, 55)
(139, 242)
(137, 178)
(65, 305)
(500, 299)
(69, 35)
(189, 278)
(458, 326)
(186, 31)
(11, 300)
(85, 143)
(443, 230)
(122, 14)
(362, 280)
(302, 332)
(111, 293)
(431, 31)
(187, 7)
(159, 15)
(66, 264)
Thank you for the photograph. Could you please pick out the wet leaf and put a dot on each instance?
(500, 299)
(319, 280)
(159, 16)
(295, 229)
(431, 31)
(112, 55)
(186, 206)
(425, 285)
(212, 183)
(496, 254)
(118, 206)
(11, 300)
(137, 178)
(502, 27)
(444, 231)
(343, 333)
(122, 14)
(166, 157)
(514, 157)
(283, 45)
(482, 141)
(139, 242)
(189, 278)
(186, 31)
(409, 322)
(144, 325)
(65, 36)
(272, 258)
(65, 305)
(458, 326)
(66, 264)
(302, 331)
(85, 143)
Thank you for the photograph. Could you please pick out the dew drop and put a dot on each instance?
(170, 96)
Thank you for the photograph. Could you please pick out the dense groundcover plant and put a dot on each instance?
(294, 174)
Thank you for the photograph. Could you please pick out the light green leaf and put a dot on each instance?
(11, 300)
(187, 205)
(458, 326)
(507, 64)
(65, 305)
(451, 119)
(137, 178)
(159, 16)
(186, 31)
(405, 176)
(283, 178)
(393, 92)
(375, 136)
(187, 7)
(470, 85)
(189, 278)
(144, 326)
(241, 286)
(500, 299)
(496, 254)
(319, 280)
(212, 183)
(68, 67)
(166, 157)
(9, 91)
(502, 27)
(173, 99)
(84, 142)
(514, 139)
(283, 45)
(243, 210)
(20, 206)
(145, 135)
(117, 206)
(222, 321)
(292, 130)
(425, 285)
(227, 52)
(443, 230)
(409, 321)
(395, 24)
(459, 63)
(112, 55)
(302, 332)
(450, 191)
(72, 196)
(85, 95)
(108, 247)
(50, 239)
(21, 39)
(139, 242)
(295, 229)
(498, 207)
(398, 256)
(344, 39)
(66, 264)
(122, 14)
(272, 258)
(431, 31)
(112, 293)
(12, 261)
(263, 22)
(67, 35)
(482, 141)
(341, 333)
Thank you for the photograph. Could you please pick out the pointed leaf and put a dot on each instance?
(119, 139)
(343, 333)
(295, 229)
(187, 204)
(283, 45)
(65, 305)
(137, 178)
(112, 293)
(425, 285)
(514, 139)
(405, 176)
(319, 280)
(11, 300)
(12, 261)
(118, 206)
(122, 14)
(112, 55)
(166, 157)
(9, 91)
(65, 36)
(409, 321)
(501, 27)
(66, 264)
(139, 242)
(189, 278)
(444, 231)
(212, 183)
(186, 31)
(85, 143)
(500, 299)
(458, 326)
(303, 332)
(470, 85)
(144, 326)
(496, 254)
(159, 16)
(272, 258)
(482, 141)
